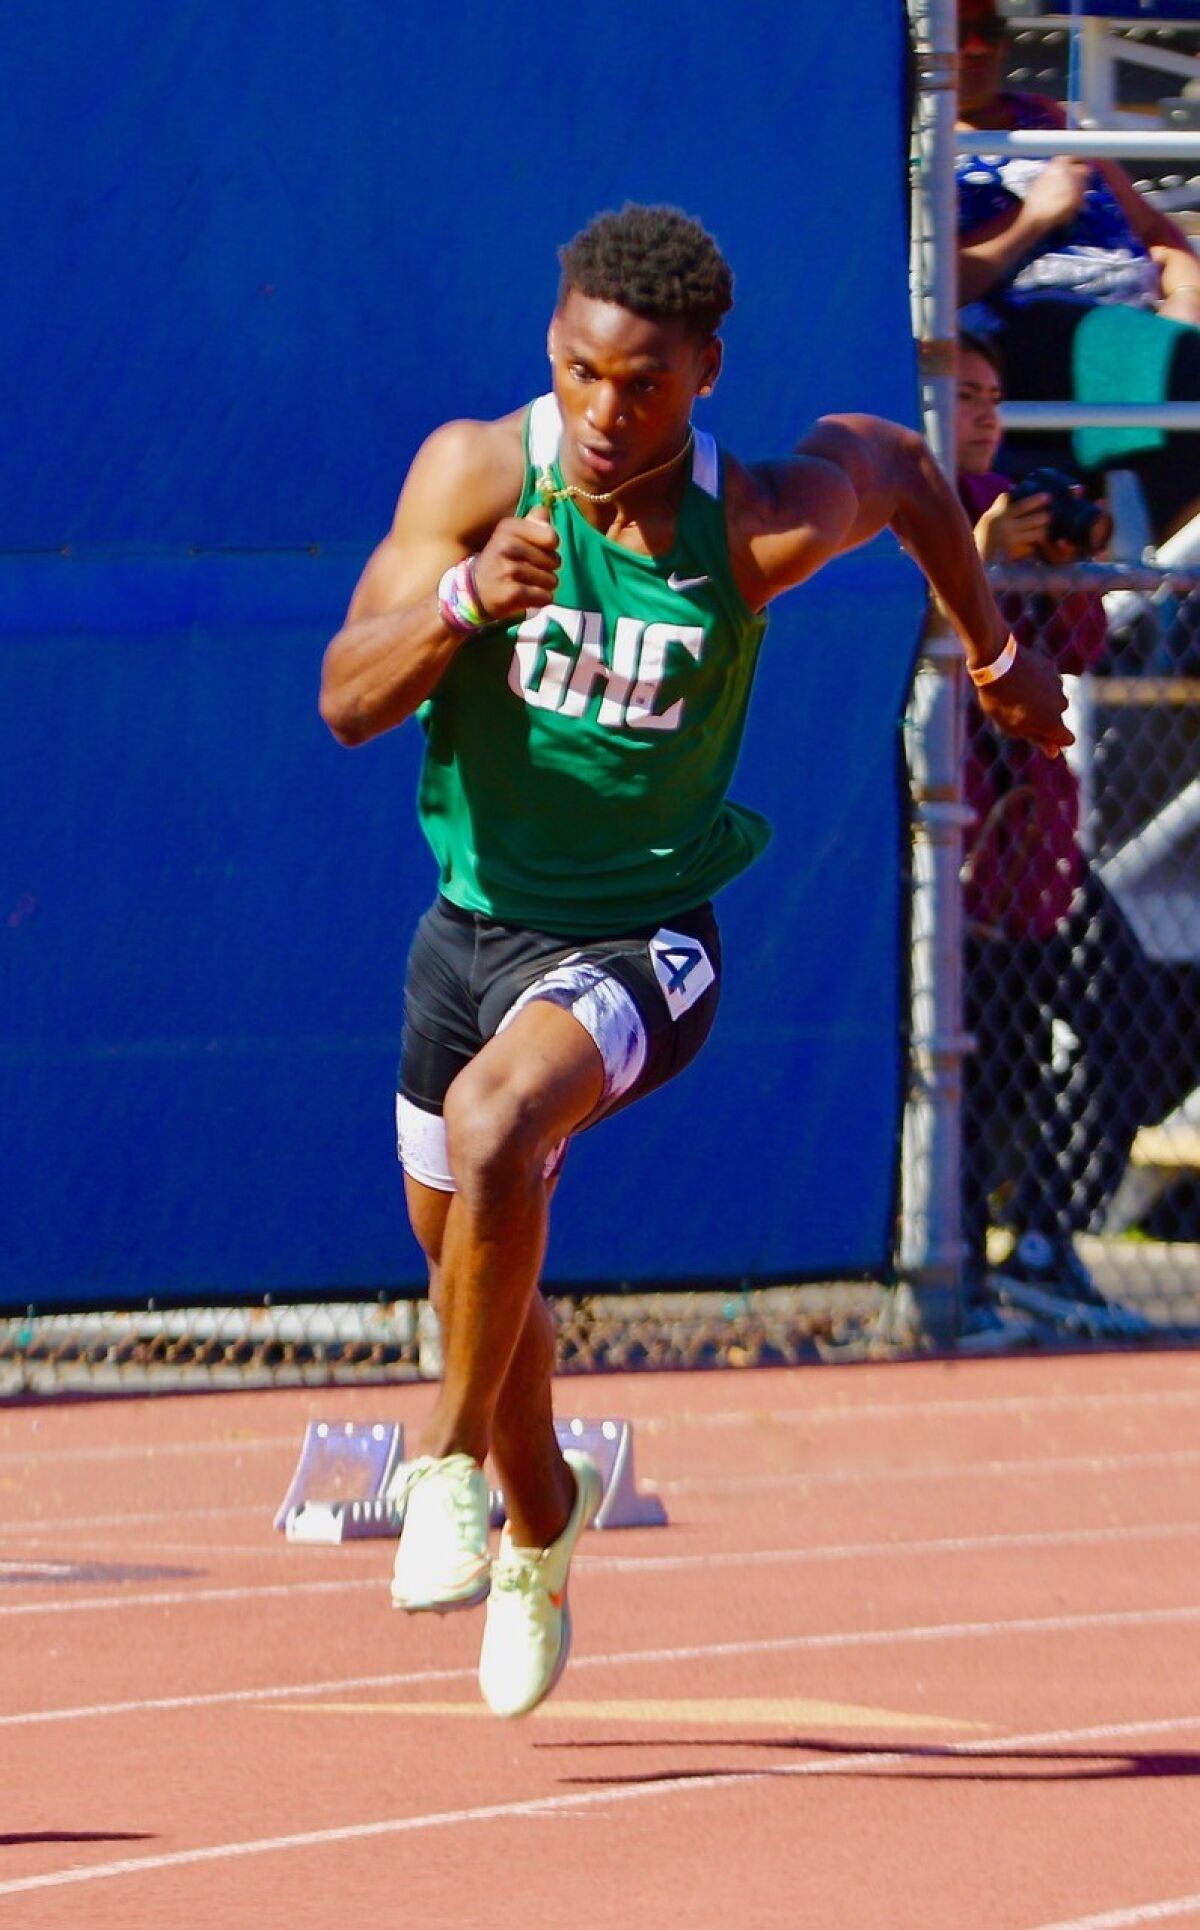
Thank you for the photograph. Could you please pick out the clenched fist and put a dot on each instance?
(1028, 701)
(517, 568)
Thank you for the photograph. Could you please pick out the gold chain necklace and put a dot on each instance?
(550, 493)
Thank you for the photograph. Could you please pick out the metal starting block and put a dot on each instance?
(339, 1491)
(610, 1444)
(343, 1520)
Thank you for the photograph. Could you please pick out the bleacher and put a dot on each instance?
(1140, 67)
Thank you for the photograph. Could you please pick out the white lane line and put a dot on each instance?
(927, 1632)
(50, 1570)
(437, 1819)
(889, 1550)
(184, 1597)
(706, 1651)
(976, 1408)
(536, 1807)
(961, 1470)
(208, 1551)
(280, 1549)
(40, 1527)
(1117, 1732)
(632, 1564)
(1180, 1906)
(735, 1417)
(151, 1450)
(866, 1473)
(95, 1551)
(221, 1697)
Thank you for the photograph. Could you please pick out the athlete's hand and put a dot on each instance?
(517, 568)
(1028, 701)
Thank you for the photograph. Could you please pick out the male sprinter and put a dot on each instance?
(571, 600)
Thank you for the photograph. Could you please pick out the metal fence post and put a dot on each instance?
(931, 1246)
(931, 1250)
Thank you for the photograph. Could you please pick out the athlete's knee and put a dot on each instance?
(494, 1134)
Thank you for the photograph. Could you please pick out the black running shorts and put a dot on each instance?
(466, 973)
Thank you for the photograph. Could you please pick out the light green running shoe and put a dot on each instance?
(527, 1637)
(443, 1560)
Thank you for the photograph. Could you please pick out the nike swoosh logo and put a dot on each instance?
(677, 582)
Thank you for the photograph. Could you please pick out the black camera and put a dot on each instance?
(1076, 520)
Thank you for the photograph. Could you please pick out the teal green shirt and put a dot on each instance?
(577, 760)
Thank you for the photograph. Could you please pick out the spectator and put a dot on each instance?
(1089, 292)
(1056, 982)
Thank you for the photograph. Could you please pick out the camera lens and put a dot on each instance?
(1072, 518)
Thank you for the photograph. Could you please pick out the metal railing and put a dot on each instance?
(930, 1243)
(931, 1247)
(1090, 143)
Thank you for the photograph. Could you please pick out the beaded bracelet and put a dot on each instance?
(459, 601)
(990, 673)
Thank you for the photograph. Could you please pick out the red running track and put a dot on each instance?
(920, 1650)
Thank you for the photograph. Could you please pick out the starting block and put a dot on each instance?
(342, 1487)
(610, 1444)
(339, 1491)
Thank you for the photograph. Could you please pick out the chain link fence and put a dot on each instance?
(1081, 1107)
(1081, 1118)
(362, 1343)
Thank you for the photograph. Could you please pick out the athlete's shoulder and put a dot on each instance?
(744, 486)
(782, 493)
(469, 452)
(787, 516)
(468, 471)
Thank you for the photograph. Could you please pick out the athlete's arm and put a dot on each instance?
(852, 476)
(457, 501)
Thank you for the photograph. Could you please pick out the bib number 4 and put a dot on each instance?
(682, 967)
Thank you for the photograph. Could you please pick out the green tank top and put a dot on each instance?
(576, 761)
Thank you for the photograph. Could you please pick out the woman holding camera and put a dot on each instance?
(1050, 956)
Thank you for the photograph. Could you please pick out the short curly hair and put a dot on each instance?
(654, 261)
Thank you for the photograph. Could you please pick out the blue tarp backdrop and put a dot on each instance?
(256, 255)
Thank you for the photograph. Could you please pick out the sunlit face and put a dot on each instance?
(981, 54)
(977, 428)
(625, 384)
